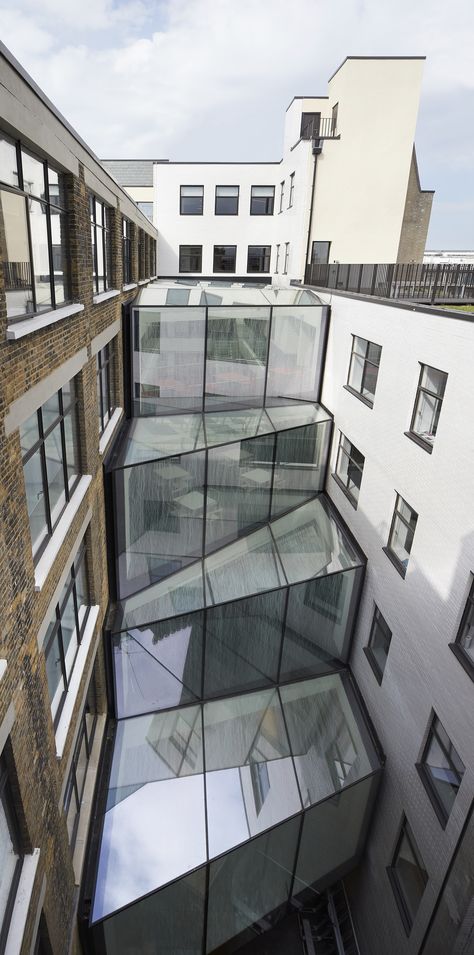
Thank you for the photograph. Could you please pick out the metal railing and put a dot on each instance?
(415, 282)
(321, 127)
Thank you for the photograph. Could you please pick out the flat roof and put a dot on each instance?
(374, 58)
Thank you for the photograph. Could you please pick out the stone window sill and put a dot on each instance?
(48, 557)
(22, 903)
(143, 281)
(75, 682)
(128, 288)
(109, 430)
(37, 322)
(104, 296)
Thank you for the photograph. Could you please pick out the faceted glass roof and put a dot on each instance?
(186, 292)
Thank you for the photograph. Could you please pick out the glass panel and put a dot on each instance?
(299, 465)
(222, 427)
(40, 246)
(178, 594)
(35, 499)
(243, 642)
(71, 434)
(251, 883)
(8, 172)
(310, 542)
(152, 438)
(239, 478)
(68, 630)
(82, 594)
(16, 266)
(434, 380)
(379, 642)
(156, 804)
(69, 393)
(294, 364)
(356, 373)
(410, 874)
(466, 639)
(60, 254)
(54, 671)
(50, 411)
(54, 468)
(249, 566)
(81, 766)
(444, 767)
(295, 415)
(237, 342)
(158, 666)
(100, 260)
(72, 812)
(168, 358)
(33, 175)
(401, 540)
(29, 433)
(8, 862)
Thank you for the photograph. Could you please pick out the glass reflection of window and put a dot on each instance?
(239, 339)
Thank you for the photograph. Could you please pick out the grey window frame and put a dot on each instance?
(237, 198)
(324, 242)
(126, 250)
(287, 258)
(277, 258)
(230, 271)
(264, 257)
(107, 402)
(405, 831)
(466, 661)
(378, 626)
(101, 234)
(421, 390)
(427, 777)
(282, 195)
(292, 190)
(341, 451)
(388, 550)
(182, 255)
(367, 362)
(8, 806)
(269, 200)
(191, 185)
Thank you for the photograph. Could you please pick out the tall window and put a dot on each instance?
(262, 199)
(190, 258)
(142, 269)
(224, 258)
(277, 258)
(11, 857)
(408, 876)
(292, 190)
(379, 644)
(191, 200)
(349, 467)
(227, 201)
(464, 644)
(364, 368)
(334, 113)
(127, 251)
(441, 770)
(106, 384)
(429, 398)
(282, 195)
(401, 535)
(287, 258)
(320, 253)
(100, 227)
(65, 633)
(80, 764)
(310, 124)
(34, 226)
(258, 259)
(50, 448)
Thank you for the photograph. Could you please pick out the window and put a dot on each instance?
(224, 258)
(147, 209)
(407, 875)
(429, 398)
(364, 369)
(11, 857)
(106, 384)
(441, 770)
(310, 124)
(401, 535)
(80, 762)
(282, 195)
(260, 783)
(258, 259)
(334, 113)
(227, 201)
(292, 190)
(349, 468)
(262, 199)
(464, 645)
(142, 266)
(287, 258)
(101, 258)
(191, 200)
(379, 644)
(34, 226)
(50, 448)
(190, 258)
(277, 258)
(320, 253)
(127, 251)
(65, 632)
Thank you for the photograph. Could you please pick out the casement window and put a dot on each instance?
(407, 875)
(401, 535)
(441, 770)
(364, 369)
(463, 647)
(142, 264)
(320, 253)
(80, 764)
(101, 251)
(227, 201)
(147, 209)
(429, 399)
(224, 258)
(277, 259)
(51, 462)
(35, 232)
(378, 646)
(258, 258)
(282, 195)
(106, 384)
(127, 251)
(191, 200)
(334, 113)
(152, 257)
(310, 125)
(262, 199)
(349, 468)
(190, 258)
(65, 632)
(287, 258)
(292, 190)
(11, 856)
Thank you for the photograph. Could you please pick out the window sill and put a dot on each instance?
(75, 682)
(48, 557)
(374, 666)
(464, 659)
(22, 903)
(362, 398)
(109, 430)
(395, 561)
(128, 288)
(37, 322)
(419, 441)
(143, 281)
(441, 816)
(344, 490)
(104, 296)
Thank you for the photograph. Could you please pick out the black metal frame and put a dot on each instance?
(414, 281)
(260, 254)
(73, 790)
(378, 623)
(367, 361)
(404, 831)
(181, 197)
(426, 776)
(269, 201)
(126, 251)
(106, 363)
(8, 807)
(287, 258)
(292, 190)
(388, 550)
(351, 461)
(228, 252)
(282, 195)
(100, 232)
(459, 652)
(422, 390)
(216, 200)
(320, 242)
(188, 255)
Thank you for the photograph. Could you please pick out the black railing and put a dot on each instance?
(320, 127)
(17, 275)
(418, 282)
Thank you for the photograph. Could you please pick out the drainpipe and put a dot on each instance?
(317, 149)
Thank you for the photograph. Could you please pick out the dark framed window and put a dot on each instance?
(190, 258)
(101, 252)
(282, 195)
(334, 113)
(224, 258)
(429, 399)
(51, 462)
(341, 756)
(227, 201)
(287, 258)
(364, 369)
(292, 190)
(127, 251)
(65, 632)
(80, 764)
(441, 770)
(262, 200)
(463, 646)
(191, 200)
(11, 855)
(401, 535)
(349, 468)
(258, 258)
(106, 384)
(277, 258)
(33, 210)
(147, 209)
(320, 253)
(142, 266)
(260, 783)
(310, 125)
(378, 646)
(153, 256)
(407, 875)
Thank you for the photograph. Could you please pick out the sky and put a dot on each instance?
(211, 79)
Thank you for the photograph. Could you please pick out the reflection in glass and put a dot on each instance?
(168, 359)
(310, 542)
(294, 364)
(237, 342)
(178, 594)
(246, 567)
(40, 248)
(239, 478)
(16, 265)
(299, 465)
